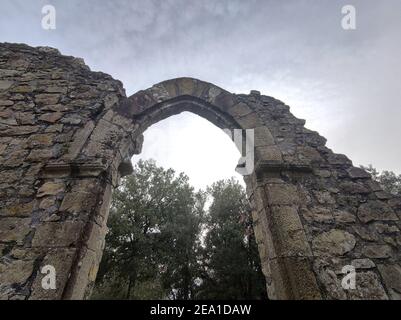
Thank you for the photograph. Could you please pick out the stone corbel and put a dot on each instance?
(264, 166)
(74, 169)
(125, 168)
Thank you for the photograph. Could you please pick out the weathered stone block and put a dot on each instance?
(23, 89)
(368, 287)
(54, 128)
(105, 132)
(324, 197)
(224, 101)
(356, 173)
(47, 202)
(18, 210)
(14, 229)
(47, 98)
(212, 93)
(288, 235)
(51, 117)
(38, 155)
(329, 280)
(61, 259)
(265, 236)
(309, 154)
(352, 187)
(15, 158)
(335, 242)
(365, 232)
(281, 194)
(259, 196)
(268, 153)
(36, 140)
(376, 210)
(363, 264)
(391, 275)
(19, 130)
(95, 149)
(84, 276)
(318, 214)
(15, 272)
(6, 102)
(50, 188)
(250, 121)
(72, 120)
(76, 202)
(58, 108)
(5, 84)
(97, 237)
(377, 251)
(341, 216)
(103, 213)
(239, 110)
(293, 278)
(338, 159)
(386, 228)
(54, 89)
(25, 118)
(79, 140)
(58, 234)
(186, 86)
(263, 137)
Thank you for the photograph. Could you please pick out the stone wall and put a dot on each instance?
(49, 105)
(66, 138)
(321, 213)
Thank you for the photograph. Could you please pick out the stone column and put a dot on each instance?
(285, 253)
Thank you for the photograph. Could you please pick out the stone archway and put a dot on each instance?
(67, 136)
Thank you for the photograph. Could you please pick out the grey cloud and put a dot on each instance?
(344, 83)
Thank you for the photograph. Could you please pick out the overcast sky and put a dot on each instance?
(345, 83)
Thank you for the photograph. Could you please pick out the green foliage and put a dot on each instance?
(153, 229)
(163, 244)
(388, 180)
(231, 266)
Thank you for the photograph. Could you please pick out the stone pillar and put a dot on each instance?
(53, 199)
(285, 252)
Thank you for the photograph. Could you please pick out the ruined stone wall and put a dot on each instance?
(66, 137)
(320, 214)
(49, 105)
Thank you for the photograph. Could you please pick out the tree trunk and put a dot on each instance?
(131, 285)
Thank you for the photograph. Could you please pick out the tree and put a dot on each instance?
(388, 180)
(181, 236)
(231, 265)
(153, 230)
(162, 245)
